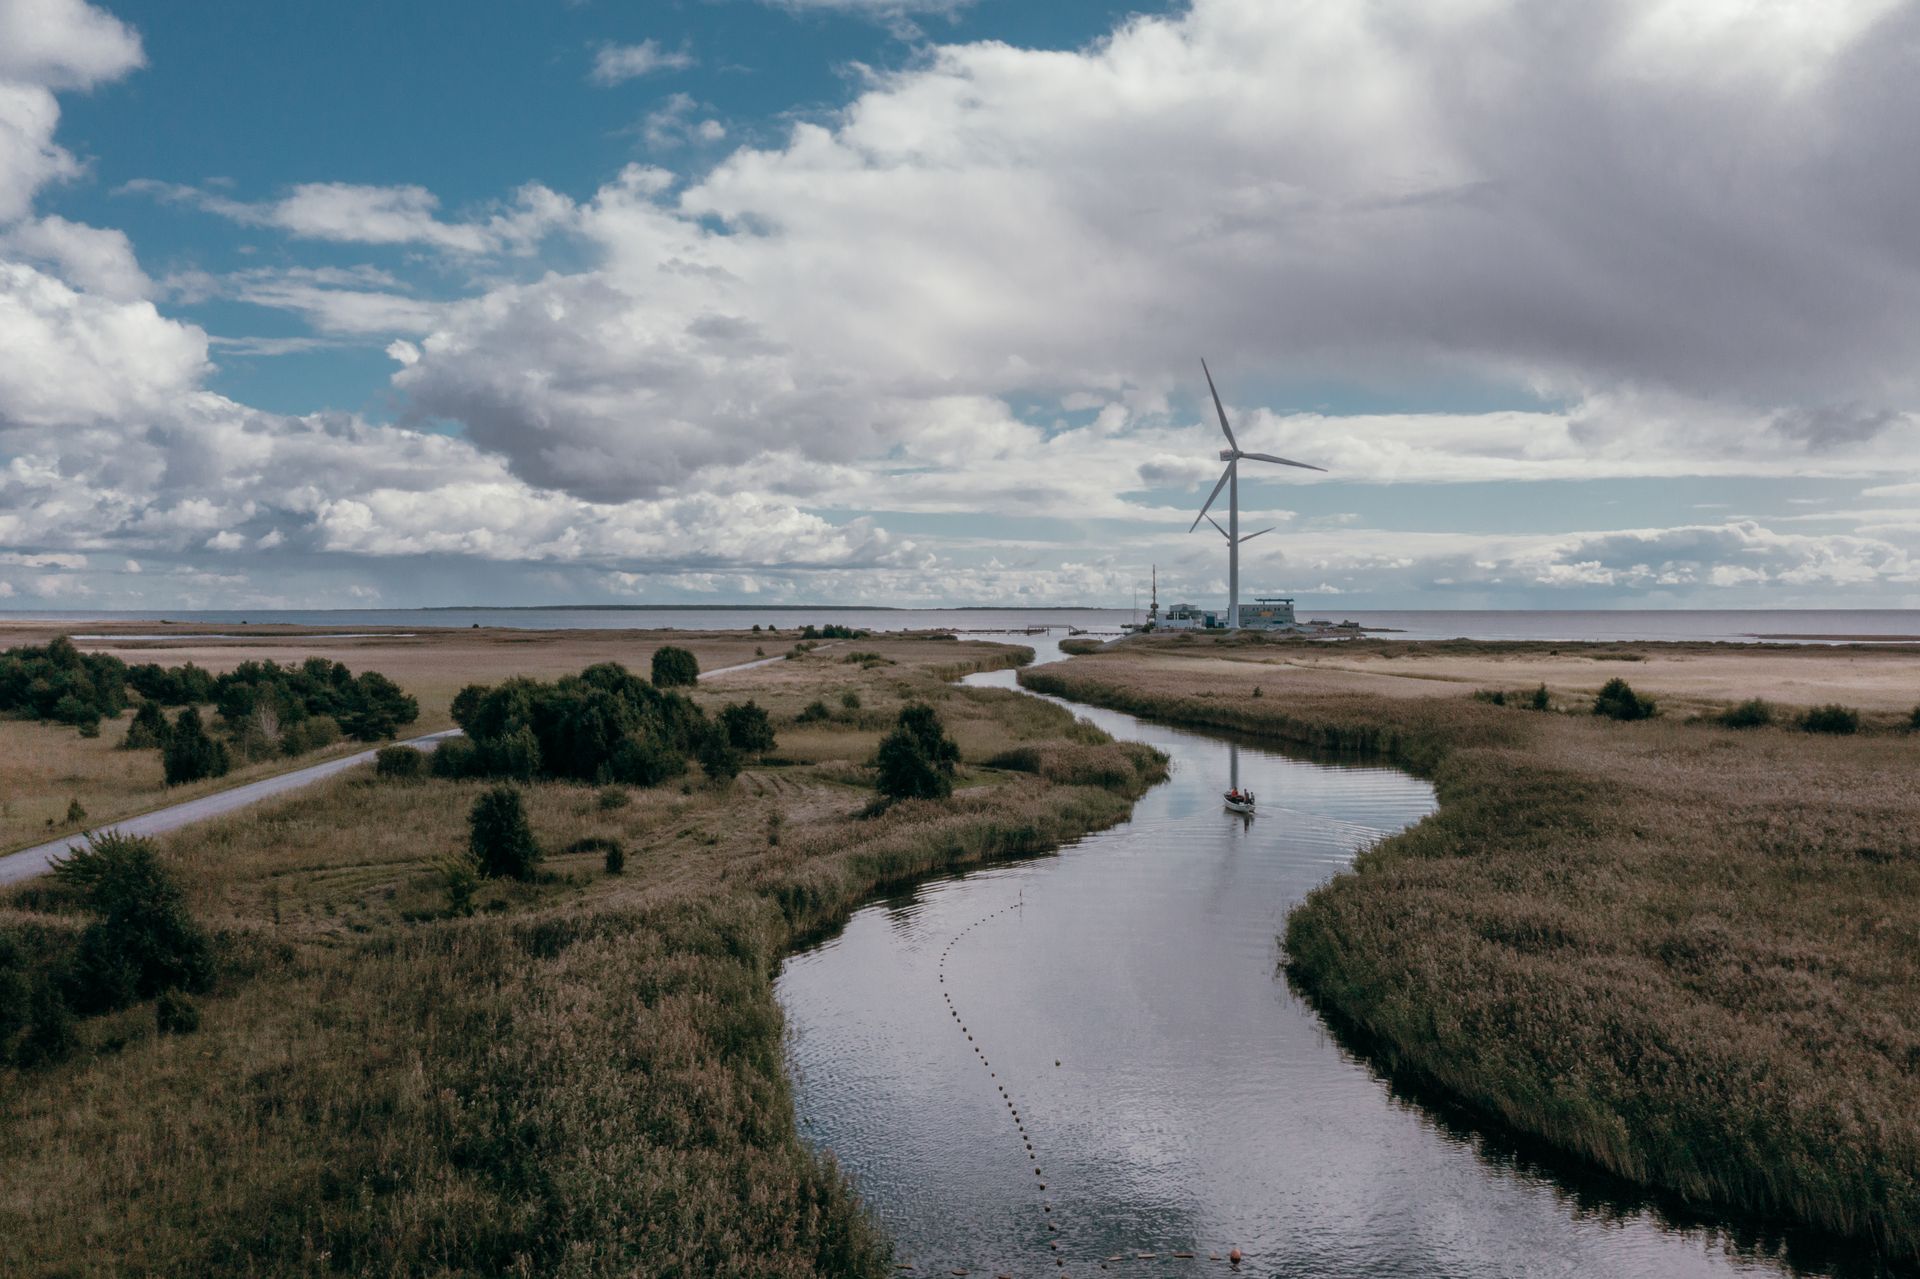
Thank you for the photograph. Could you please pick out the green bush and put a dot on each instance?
(460, 880)
(1831, 719)
(190, 754)
(175, 1013)
(642, 759)
(1492, 696)
(142, 940)
(399, 763)
(604, 724)
(149, 729)
(498, 835)
(850, 700)
(719, 757)
(316, 732)
(675, 668)
(747, 727)
(1752, 713)
(917, 759)
(1618, 701)
(615, 852)
(813, 713)
(1913, 721)
(454, 758)
(612, 797)
(1541, 700)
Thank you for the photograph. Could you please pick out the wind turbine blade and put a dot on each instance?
(1223, 532)
(1249, 537)
(1284, 461)
(1233, 443)
(1209, 502)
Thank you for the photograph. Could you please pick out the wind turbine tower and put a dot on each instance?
(1230, 480)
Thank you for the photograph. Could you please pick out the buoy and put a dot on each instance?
(1234, 1257)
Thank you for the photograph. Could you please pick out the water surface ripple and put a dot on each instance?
(1123, 1002)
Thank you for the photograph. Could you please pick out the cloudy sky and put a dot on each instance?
(903, 301)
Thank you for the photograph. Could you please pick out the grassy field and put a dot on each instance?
(1685, 953)
(584, 1078)
(44, 767)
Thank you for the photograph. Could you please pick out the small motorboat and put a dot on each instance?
(1239, 801)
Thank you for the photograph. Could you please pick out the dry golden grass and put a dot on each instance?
(1883, 680)
(583, 1079)
(1688, 954)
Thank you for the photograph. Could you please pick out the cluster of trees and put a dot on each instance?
(56, 681)
(605, 724)
(368, 707)
(831, 630)
(140, 943)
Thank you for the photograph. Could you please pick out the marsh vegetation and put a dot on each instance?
(572, 1071)
(1684, 953)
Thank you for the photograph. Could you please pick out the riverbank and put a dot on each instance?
(1684, 953)
(584, 1077)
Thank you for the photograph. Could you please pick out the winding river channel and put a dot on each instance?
(1063, 1064)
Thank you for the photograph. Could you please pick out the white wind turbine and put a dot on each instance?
(1230, 480)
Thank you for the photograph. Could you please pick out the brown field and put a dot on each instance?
(584, 1078)
(43, 766)
(1880, 679)
(1685, 953)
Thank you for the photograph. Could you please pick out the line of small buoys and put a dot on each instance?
(1019, 1124)
(1233, 1257)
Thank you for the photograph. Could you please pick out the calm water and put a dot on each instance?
(1624, 624)
(1176, 1095)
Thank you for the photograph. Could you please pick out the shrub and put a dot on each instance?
(612, 797)
(674, 668)
(75, 812)
(747, 727)
(498, 835)
(604, 724)
(616, 853)
(50, 1033)
(142, 940)
(1831, 719)
(719, 757)
(175, 1013)
(1913, 721)
(460, 880)
(916, 760)
(400, 763)
(454, 758)
(1541, 700)
(190, 754)
(316, 732)
(643, 759)
(1492, 696)
(1752, 713)
(813, 713)
(1618, 701)
(850, 700)
(149, 729)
